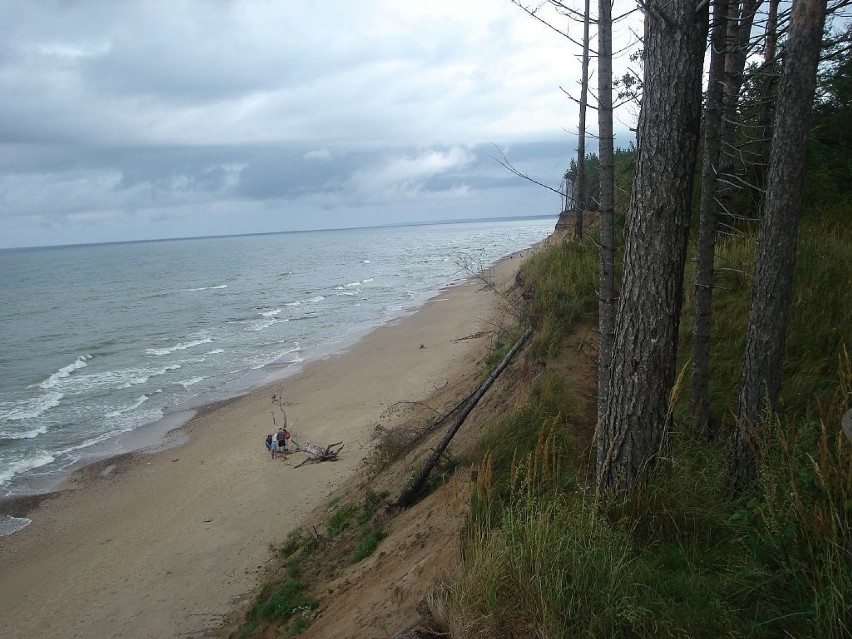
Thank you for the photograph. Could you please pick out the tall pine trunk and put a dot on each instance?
(740, 22)
(702, 316)
(606, 275)
(581, 190)
(773, 277)
(657, 227)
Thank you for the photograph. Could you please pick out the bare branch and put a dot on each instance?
(504, 162)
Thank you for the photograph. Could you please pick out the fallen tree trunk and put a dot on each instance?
(318, 453)
(416, 485)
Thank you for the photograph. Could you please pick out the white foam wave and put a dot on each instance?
(215, 351)
(65, 371)
(182, 346)
(368, 280)
(36, 459)
(29, 408)
(349, 293)
(295, 349)
(139, 401)
(123, 378)
(315, 300)
(206, 288)
(272, 313)
(365, 261)
(192, 381)
(9, 524)
(27, 434)
(259, 325)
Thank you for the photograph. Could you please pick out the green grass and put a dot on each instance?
(340, 520)
(286, 604)
(562, 281)
(547, 414)
(368, 543)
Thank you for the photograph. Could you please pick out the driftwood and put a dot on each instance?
(416, 485)
(318, 453)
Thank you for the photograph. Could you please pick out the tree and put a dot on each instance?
(708, 221)
(580, 190)
(657, 227)
(773, 278)
(739, 25)
(606, 274)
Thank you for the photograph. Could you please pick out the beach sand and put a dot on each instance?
(163, 544)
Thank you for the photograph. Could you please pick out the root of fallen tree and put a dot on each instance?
(317, 453)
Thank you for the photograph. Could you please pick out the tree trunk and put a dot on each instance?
(740, 21)
(657, 227)
(767, 89)
(416, 485)
(581, 136)
(702, 317)
(773, 278)
(606, 276)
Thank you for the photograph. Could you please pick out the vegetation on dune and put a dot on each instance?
(684, 552)
(682, 555)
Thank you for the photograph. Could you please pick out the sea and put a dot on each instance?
(102, 345)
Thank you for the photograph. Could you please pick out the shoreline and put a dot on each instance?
(131, 545)
(40, 483)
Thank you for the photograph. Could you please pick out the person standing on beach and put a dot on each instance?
(273, 445)
(281, 437)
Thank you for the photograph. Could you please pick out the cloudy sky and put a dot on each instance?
(124, 120)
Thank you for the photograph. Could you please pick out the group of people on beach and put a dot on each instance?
(277, 443)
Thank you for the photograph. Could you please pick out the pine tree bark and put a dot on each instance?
(581, 136)
(606, 270)
(657, 227)
(773, 278)
(767, 84)
(708, 221)
(740, 22)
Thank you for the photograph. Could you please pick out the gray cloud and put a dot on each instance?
(126, 120)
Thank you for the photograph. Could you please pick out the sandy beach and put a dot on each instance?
(163, 544)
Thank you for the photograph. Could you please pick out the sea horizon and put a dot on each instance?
(508, 218)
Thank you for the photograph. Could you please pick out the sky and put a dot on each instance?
(123, 120)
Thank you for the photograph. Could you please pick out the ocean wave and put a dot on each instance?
(29, 408)
(35, 459)
(311, 300)
(205, 288)
(259, 325)
(13, 434)
(9, 524)
(65, 371)
(272, 313)
(178, 347)
(215, 351)
(192, 381)
(139, 401)
(112, 379)
(295, 349)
